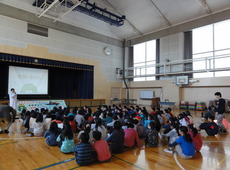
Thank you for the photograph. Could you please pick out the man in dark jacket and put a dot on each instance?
(220, 109)
(7, 117)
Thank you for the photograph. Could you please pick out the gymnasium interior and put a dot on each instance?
(146, 53)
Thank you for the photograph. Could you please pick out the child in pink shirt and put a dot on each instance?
(131, 136)
(197, 140)
(101, 147)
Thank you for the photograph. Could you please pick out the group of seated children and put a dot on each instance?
(183, 137)
(112, 129)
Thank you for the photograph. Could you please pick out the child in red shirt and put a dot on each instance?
(197, 140)
(153, 111)
(101, 147)
(170, 111)
(72, 124)
(131, 136)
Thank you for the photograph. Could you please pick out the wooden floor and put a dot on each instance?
(20, 152)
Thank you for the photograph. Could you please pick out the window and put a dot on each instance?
(144, 58)
(211, 50)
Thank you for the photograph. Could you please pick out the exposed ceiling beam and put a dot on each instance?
(47, 8)
(203, 4)
(77, 3)
(122, 13)
(161, 14)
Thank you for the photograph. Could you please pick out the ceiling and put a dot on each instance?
(142, 16)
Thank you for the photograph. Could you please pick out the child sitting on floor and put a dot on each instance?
(72, 123)
(197, 140)
(47, 121)
(51, 134)
(211, 127)
(116, 138)
(98, 126)
(170, 111)
(172, 135)
(184, 144)
(182, 119)
(153, 111)
(38, 125)
(66, 139)
(87, 129)
(84, 154)
(101, 147)
(33, 116)
(151, 135)
(26, 121)
(131, 136)
(189, 117)
(146, 122)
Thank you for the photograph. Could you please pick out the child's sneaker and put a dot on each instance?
(168, 150)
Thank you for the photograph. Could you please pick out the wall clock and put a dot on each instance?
(107, 51)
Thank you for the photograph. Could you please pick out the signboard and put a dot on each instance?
(46, 104)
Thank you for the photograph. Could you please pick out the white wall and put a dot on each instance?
(13, 32)
(164, 89)
(204, 90)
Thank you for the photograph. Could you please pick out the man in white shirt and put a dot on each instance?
(13, 98)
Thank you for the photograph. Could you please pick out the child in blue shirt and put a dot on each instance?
(84, 153)
(184, 144)
(51, 134)
(146, 122)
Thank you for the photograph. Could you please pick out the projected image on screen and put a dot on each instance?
(28, 80)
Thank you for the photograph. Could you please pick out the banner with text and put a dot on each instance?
(46, 104)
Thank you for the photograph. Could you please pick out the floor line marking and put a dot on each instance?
(219, 163)
(75, 167)
(5, 143)
(54, 164)
(178, 163)
(11, 142)
(216, 142)
(128, 162)
(7, 140)
(21, 138)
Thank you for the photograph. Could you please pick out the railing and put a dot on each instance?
(206, 64)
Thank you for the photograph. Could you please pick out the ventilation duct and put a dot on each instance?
(34, 29)
(85, 7)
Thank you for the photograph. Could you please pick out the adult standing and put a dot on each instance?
(13, 98)
(220, 109)
(7, 117)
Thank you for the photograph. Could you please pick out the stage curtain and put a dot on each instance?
(87, 85)
(65, 83)
(66, 80)
(3, 81)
